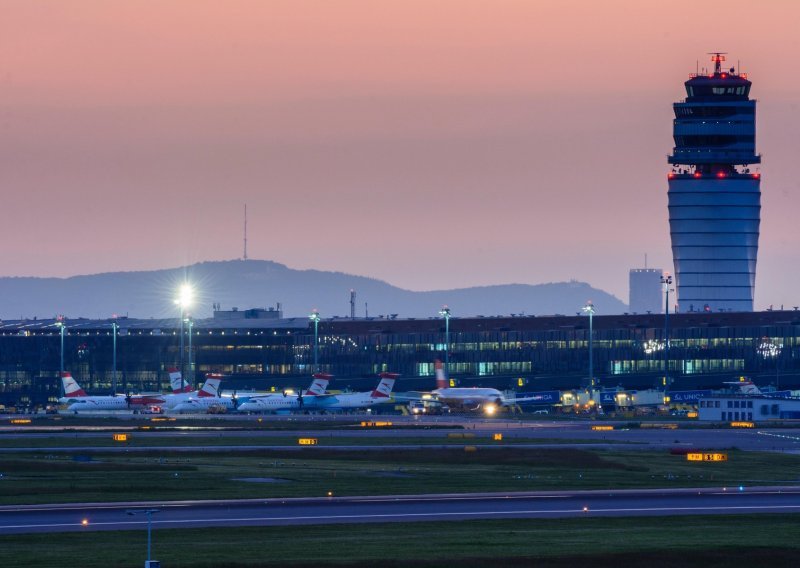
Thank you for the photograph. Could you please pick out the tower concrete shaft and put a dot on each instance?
(714, 197)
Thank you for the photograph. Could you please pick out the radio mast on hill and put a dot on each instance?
(245, 231)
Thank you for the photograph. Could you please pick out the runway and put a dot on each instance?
(280, 512)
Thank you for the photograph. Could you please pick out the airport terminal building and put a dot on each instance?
(523, 353)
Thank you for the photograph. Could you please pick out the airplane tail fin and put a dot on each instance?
(749, 387)
(319, 384)
(384, 388)
(211, 386)
(176, 381)
(745, 386)
(441, 378)
(71, 386)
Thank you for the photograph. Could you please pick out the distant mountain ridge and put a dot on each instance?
(262, 283)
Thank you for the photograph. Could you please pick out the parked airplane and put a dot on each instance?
(348, 401)
(210, 389)
(488, 400)
(213, 401)
(288, 401)
(79, 401)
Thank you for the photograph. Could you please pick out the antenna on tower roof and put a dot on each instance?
(245, 231)
(718, 58)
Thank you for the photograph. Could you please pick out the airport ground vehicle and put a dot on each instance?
(428, 407)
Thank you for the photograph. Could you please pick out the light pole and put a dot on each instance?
(185, 296)
(149, 513)
(114, 328)
(314, 317)
(589, 309)
(190, 321)
(666, 281)
(61, 323)
(445, 313)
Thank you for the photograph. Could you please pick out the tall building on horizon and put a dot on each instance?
(644, 291)
(714, 197)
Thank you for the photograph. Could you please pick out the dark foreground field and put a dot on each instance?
(58, 478)
(742, 541)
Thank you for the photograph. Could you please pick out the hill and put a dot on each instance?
(261, 283)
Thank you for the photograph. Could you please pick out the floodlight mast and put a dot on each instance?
(589, 309)
(184, 301)
(445, 313)
(314, 317)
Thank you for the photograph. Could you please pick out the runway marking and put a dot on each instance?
(737, 491)
(754, 490)
(457, 498)
(795, 438)
(580, 511)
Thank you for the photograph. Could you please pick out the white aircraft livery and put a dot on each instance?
(288, 401)
(346, 401)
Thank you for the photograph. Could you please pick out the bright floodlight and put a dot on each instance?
(185, 296)
(588, 308)
(314, 316)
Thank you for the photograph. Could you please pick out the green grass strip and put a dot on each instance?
(702, 541)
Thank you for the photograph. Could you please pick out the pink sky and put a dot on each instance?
(429, 143)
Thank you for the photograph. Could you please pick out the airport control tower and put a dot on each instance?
(714, 195)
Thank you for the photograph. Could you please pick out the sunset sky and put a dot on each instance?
(429, 143)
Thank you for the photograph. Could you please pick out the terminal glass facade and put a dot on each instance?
(546, 353)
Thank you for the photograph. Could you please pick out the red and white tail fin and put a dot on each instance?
(745, 387)
(319, 384)
(176, 381)
(748, 387)
(211, 386)
(441, 378)
(384, 388)
(71, 386)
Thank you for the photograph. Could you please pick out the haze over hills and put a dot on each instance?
(262, 283)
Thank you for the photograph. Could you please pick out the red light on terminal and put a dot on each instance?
(756, 176)
(720, 174)
(697, 174)
(670, 175)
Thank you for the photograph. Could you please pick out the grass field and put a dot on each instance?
(155, 475)
(707, 542)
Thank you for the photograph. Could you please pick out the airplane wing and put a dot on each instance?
(414, 395)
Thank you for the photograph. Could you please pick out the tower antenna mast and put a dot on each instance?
(245, 231)
(718, 58)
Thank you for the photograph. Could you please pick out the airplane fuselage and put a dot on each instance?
(204, 404)
(90, 403)
(469, 396)
(349, 401)
(275, 402)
